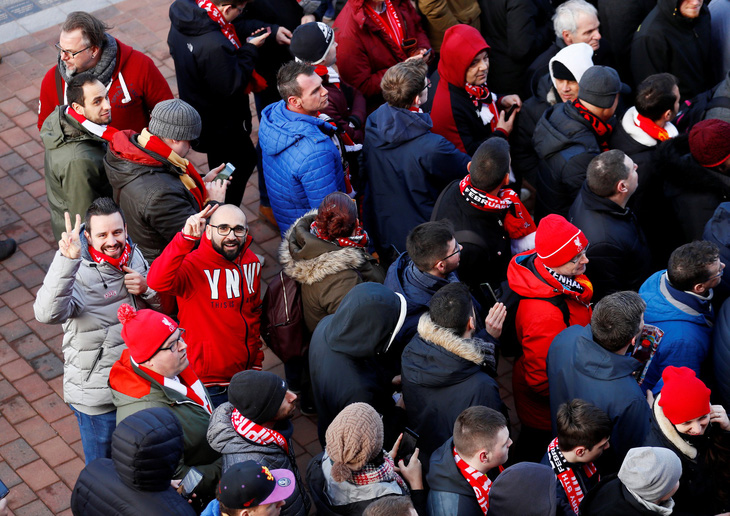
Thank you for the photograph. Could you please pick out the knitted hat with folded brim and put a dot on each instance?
(144, 331)
(650, 473)
(684, 397)
(175, 119)
(352, 439)
(557, 241)
(257, 395)
(709, 142)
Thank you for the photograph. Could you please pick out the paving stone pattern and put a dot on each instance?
(40, 447)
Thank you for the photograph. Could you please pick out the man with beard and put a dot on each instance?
(134, 83)
(74, 138)
(217, 287)
(256, 425)
(95, 271)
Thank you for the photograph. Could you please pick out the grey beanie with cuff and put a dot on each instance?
(175, 119)
(650, 472)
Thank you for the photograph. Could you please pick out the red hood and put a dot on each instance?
(524, 281)
(123, 148)
(461, 45)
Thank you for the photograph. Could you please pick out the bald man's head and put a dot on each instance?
(224, 224)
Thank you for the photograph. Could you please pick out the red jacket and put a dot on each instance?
(365, 52)
(219, 305)
(537, 323)
(136, 87)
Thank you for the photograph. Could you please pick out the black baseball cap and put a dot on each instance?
(249, 484)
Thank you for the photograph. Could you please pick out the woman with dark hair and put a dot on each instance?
(699, 433)
(325, 252)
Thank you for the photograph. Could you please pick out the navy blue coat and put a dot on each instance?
(721, 354)
(406, 166)
(578, 367)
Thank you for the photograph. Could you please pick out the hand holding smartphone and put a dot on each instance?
(225, 173)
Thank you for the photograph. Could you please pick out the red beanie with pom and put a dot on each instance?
(557, 241)
(684, 397)
(144, 331)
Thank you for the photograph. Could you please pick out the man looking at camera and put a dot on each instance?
(218, 291)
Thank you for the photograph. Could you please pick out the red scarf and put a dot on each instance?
(349, 146)
(650, 128)
(105, 132)
(257, 433)
(478, 481)
(518, 222)
(189, 385)
(256, 83)
(100, 257)
(393, 28)
(567, 477)
(359, 237)
(480, 95)
(197, 190)
(601, 129)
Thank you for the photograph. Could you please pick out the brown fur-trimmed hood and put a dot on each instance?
(671, 433)
(307, 259)
(478, 351)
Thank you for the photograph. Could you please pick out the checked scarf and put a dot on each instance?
(601, 129)
(106, 132)
(371, 474)
(393, 28)
(256, 433)
(482, 97)
(479, 482)
(518, 222)
(567, 477)
(359, 237)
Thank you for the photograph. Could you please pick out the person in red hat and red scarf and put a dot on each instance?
(555, 294)
(465, 111)
(155, 372)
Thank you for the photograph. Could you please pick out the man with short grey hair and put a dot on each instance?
(155, 185)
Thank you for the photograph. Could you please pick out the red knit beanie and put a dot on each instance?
(144, 331)
(557, 241)
(709, 142)
(684, 397)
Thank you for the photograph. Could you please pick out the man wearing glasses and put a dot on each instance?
(155, 372)
(134, 83)
(554, 294)
(218, 292)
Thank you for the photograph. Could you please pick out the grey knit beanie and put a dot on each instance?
(650, 472)
(352, 439)
(175, 119)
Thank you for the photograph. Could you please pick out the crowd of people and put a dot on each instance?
(455, 182)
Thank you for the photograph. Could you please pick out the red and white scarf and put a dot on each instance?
(567, 477)
(105, 132)
(385, 472)
(479, 482)
(650, 128)
(518, 223)
(256, 83)
(120, 262)
(359, 237)
(191, 178)
(482, 97)
(187, 383)
(256, 433)
(392, 27)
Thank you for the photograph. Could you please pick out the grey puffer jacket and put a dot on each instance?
(84, 296)
(224, 439)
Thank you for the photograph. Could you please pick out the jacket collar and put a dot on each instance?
(597, 362)
(473, 350)
(670, 432)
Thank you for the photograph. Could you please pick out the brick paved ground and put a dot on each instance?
(40, 447)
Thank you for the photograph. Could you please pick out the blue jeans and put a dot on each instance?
(218, 395)
(96, 434)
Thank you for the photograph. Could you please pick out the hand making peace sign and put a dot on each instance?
(70, 244)
(195, 224)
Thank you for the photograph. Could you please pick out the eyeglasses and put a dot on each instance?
(718, 275)
(458, 250)
(241, 7)
(579, 256)
(225, 230)
(68, 52)
(174, 346)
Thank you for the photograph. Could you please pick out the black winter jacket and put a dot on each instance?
(565, 144)
(721, 354)
(342, 358)
(444, 374)
(666, 41)
(524, 158)
(517, 32)
(619, 257)
(146, 448)
(154, 200)
(693, 191)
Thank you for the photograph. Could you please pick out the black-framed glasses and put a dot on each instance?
(458, 250)
(225, 230)
(175, 345)
(68, 52)
(579, 256)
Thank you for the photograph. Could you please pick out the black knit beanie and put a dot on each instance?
(257, 395)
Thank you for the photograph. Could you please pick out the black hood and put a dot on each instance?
(146, 449)
(191, 20)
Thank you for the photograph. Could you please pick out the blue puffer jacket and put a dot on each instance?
(721, 354)
(686, 320)
(301, 163)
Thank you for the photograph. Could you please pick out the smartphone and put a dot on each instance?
(3, 490)
(407, 446)
(510, 111)
(426, 54)
(491, 292)
(190, 482)
(226, 172)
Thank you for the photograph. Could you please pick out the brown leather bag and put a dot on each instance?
(282, 319)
